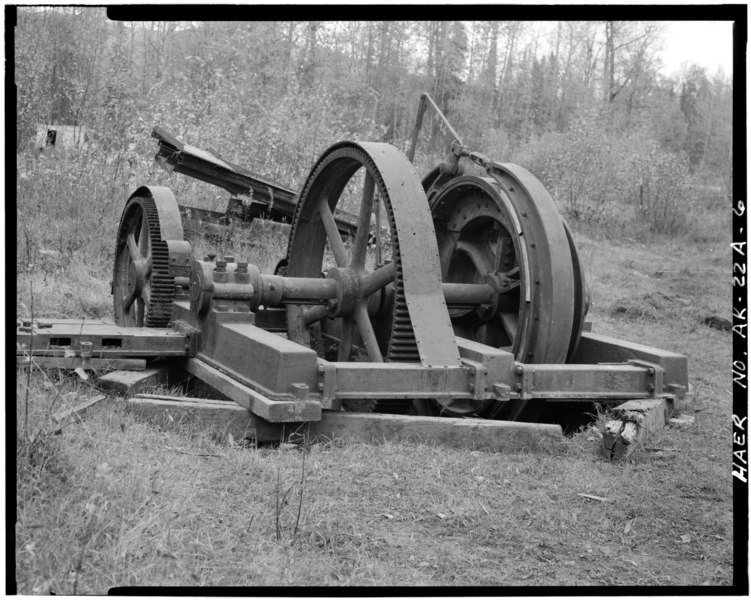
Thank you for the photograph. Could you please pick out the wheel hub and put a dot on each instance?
(349, 295)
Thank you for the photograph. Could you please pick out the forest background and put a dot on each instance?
(625, 150)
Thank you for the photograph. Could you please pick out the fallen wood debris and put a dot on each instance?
(597, 498)
(681, 421)
(129, 383)
(631, 424)
(75, 411)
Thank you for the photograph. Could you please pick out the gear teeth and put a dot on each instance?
(158, 312)
(402, 345)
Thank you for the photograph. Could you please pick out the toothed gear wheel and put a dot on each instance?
(142, 286)
(374, 322)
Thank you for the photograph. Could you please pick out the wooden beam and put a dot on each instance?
(219, 416)
(476, 434)
(129, 383)
(93, 364)
(228, 417)
(632, 423)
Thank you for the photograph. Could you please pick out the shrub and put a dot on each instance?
(619, 182)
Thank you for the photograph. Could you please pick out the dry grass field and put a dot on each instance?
(112, 501)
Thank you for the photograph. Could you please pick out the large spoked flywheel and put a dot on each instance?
(391, 305)
(142, 287)
(505, 231)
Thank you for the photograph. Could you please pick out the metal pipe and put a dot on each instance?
(469, 294)
(279, 290)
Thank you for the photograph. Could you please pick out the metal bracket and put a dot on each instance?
(655, 372)
(527, 375)
(180, 258)
(327, 386)
(478, 381)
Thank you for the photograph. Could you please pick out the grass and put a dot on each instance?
(112, 501)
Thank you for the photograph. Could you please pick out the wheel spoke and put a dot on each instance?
(503, 243)
(135, 254)
(378, 279)
(368, 335)
(510, 322)
(332, 233)
(379, 241)
(345, 343)
(476, 255)
(314, 314)
(510, 286)
(512, 272)
(128, 302)
(147, 267)
(140, 312)
(146, 294)
(143, 238)
(363, 223)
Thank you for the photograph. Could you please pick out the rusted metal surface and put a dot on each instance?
(450, 136)
(253, 195)
(142, 284)
(594, 348)
(500, 232)
(174, 155)
(100, 339)
(291, 409)
(418, 328)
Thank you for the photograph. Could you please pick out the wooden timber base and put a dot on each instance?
(632, 422)
(473, 434)
(129, 383)
(222, 417)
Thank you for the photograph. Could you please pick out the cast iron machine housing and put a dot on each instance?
(456, 295)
